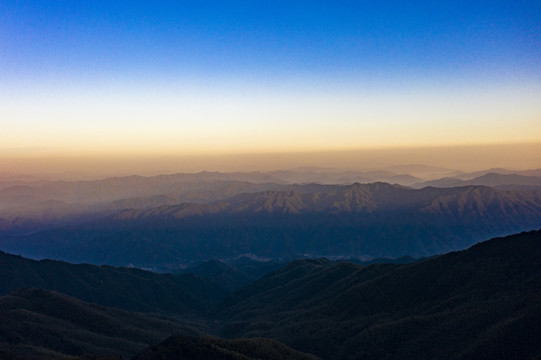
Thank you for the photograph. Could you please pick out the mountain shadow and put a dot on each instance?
(233, 275)
(212, 348)
(481, 303)
(125, 288)
(45, 324)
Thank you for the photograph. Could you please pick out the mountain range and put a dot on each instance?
(495, 180)
(479, 303)
(358, 220)
(482, 303)
(212, 348)
(29, 204)
(305, 263)
(43, 324)
(125, 288)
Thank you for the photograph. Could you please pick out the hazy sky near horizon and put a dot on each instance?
(118, 78)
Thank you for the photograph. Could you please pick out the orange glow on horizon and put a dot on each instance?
(465, 158)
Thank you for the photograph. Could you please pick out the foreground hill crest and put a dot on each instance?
(479, 303)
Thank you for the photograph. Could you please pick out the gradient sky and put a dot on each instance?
(216, 77)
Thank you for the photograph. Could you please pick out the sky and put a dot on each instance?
(120, 79)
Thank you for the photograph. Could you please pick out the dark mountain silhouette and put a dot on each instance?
(257, 268)
(129, 289)
(481, 303)
(398, 260)
(221, 274)
(374, 220)
(8, 356)
(211, 348)
(233, 276)
(43, 324)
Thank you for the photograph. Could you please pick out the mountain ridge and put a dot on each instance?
(478, 303)
(488, 179)
(44, 324)
(111, 286)
(360, 220)
(350, 198)
(458, 305)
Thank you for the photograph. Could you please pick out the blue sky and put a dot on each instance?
(257, 60)
(270, 39)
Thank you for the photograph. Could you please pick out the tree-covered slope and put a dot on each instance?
(483, 302)
(126, 288)
(212, 348)
(38, 323)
